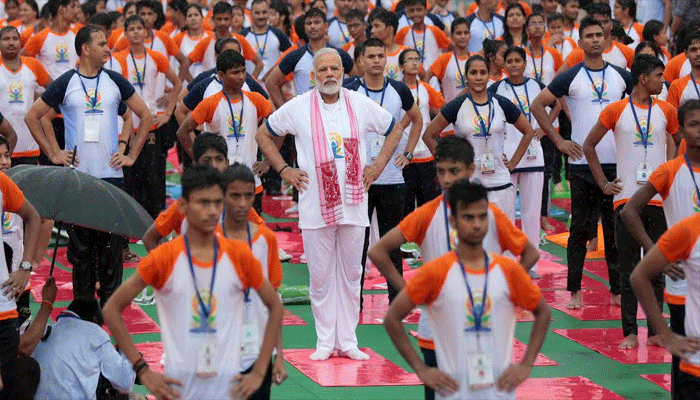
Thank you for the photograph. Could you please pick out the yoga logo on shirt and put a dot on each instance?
(239, 123)
(89, 97)
(695, 201)
(646, 127)
(197, 312)
(312, 82)
(137, 75)
(336, 144)
(420, 47)
(6, 217)
(61, 52)
(16, 92)
(459, 74)
(476, 124)
(599, 86)
(522, 100)
(391, 71)
(478, 301)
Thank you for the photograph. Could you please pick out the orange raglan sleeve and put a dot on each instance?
(113, 37)
(440, 65)
(674, 92)
(661, 178)
(35, 43)
(671, 117)
(673, 68)
(472, 8)
(414, 226)
(628, 53)
(25, 36)
(121, 59)
(509, 236)
(122, 44)
(246, 265)
(401, 34)
(677, 242)
(12, 196)
(426, 284)
(441, 38)
(523, 293)
(436, 99)
(171, 47)
(204, 112)
(274, 266)
(42, 76)
(261, 104)
(556, 56)
(611, 114)
(575, 57)
(197, 54)
(156, 267)
(162, 62)
(169, 220)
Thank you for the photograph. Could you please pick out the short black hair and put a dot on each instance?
(220, 43)
(644, 64)
(359, 51)
(691, 37)
(229, 59)
(457, 22)
(687, 107)
(352, 14)
(515, 49)
(618, 33)
(195, 6)
(372, 42)
(178, 5)
(408, 3)
(314, 12)
(128, 5)
(388, 18)
(652, 28)
(54, 5)
(89, 8)
(465, 192)
(146, 4)
(103, 20)
(555, 16)
(5, 142)
(475, 58)
(133, 19)
(84, 36)
(647, 44)
(600, 9)
(491, 47)
(198, 177)
(587, 22)
(87, 309)
(565, 2)
(222, 7)
(631, 6)
(404, 54)
(254, 2)
(208, 141)
(32, 4)
(7, 29)
(454, 148)
(238, 173)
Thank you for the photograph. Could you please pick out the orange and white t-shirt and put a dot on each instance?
(392, 69)
(237, 122)
(564, 48)
(682, 90)
(450, 70)
(681, 243)
(678, 66)
(634, 31)
(425, 98)
(144, 73)
(203, 51)
(187, 43)
(17, 99)
(544, 67)
(441, 286)
(429, 43)
(632, 151)
(167, 269)
(11, 198)
(159, 42)
(500, 8)
(673, 181)
(618, 54)
(55, 51)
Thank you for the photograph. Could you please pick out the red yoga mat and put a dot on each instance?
(136, 320)
(661, 380)
(596, 305)
(605, 342)
(374, 307)
(571, 388)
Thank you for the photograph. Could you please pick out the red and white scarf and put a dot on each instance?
(326, 170)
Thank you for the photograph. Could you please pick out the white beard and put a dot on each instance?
(329, 89)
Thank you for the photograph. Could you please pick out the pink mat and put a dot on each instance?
(292, 244)
(662, 380)
(340, 371)
(374, 308)
(519, 349)
(554, 277)
(605, 342)
(562, 203)
(136, 320)
(558, 226)
(548, 256)
(64, 282)
(374, 282)
(275, 206)
(596, 305)
(152, 353)
(597, 268)
(571, 388)
(61, 257)
(289, 318)
(284, 226)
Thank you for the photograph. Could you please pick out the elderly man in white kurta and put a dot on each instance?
(329, 125)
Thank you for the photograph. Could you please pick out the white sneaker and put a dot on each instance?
(292, 210)
(146, 297)
(284, 256)
(303, 258)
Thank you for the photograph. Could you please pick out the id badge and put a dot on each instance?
(92, 128)
(375, 146)
(480, 371)
(643, 173)
(249, 332)
(531, 152)
(488, 163)
(207, 355)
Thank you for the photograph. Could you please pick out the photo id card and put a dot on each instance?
(488, 163)
(480, 371)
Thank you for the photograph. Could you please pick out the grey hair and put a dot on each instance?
(323, 52)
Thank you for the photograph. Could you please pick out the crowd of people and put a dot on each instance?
(412, 121)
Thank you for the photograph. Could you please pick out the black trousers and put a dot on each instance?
(586, 198)
(263, 392)
(9, 345)
(549, 151)
(388, 201)
(421, 184)
(59, 130)
(25, 161)
(95, 256)
(629, 253)
(431, 361)
(677, 312)
(688, 387)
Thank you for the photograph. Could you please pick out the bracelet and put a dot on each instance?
(122, 141)
(606, 186)
(282, 169)
(137, 362)
(48, 303)
(142, 366)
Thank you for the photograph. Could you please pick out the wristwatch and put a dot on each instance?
(26, 265)
(408, 155)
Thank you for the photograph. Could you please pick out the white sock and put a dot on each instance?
(321, 355)
(354, 354)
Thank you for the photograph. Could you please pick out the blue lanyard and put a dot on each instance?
(346, 39)
(527, 97)
(93, 100)
(492, 35)
(417, 93)
(598, 91)
(206, 310)
(422, 51)
(534, 66)
(482, 124)
(246, 292)
(236, 128)
(261, 51)
(692, 175)
(140, 78)
(695, 84)
(459, 69)
(477, 309)
(447, 222)
(644, 133)
(381, 101)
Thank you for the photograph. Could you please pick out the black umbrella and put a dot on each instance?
(66, 195)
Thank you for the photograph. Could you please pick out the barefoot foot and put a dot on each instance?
(575, 301)
(616, 300)
(545, 225)
(654, 341)
(592, 244)
(630, 342)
